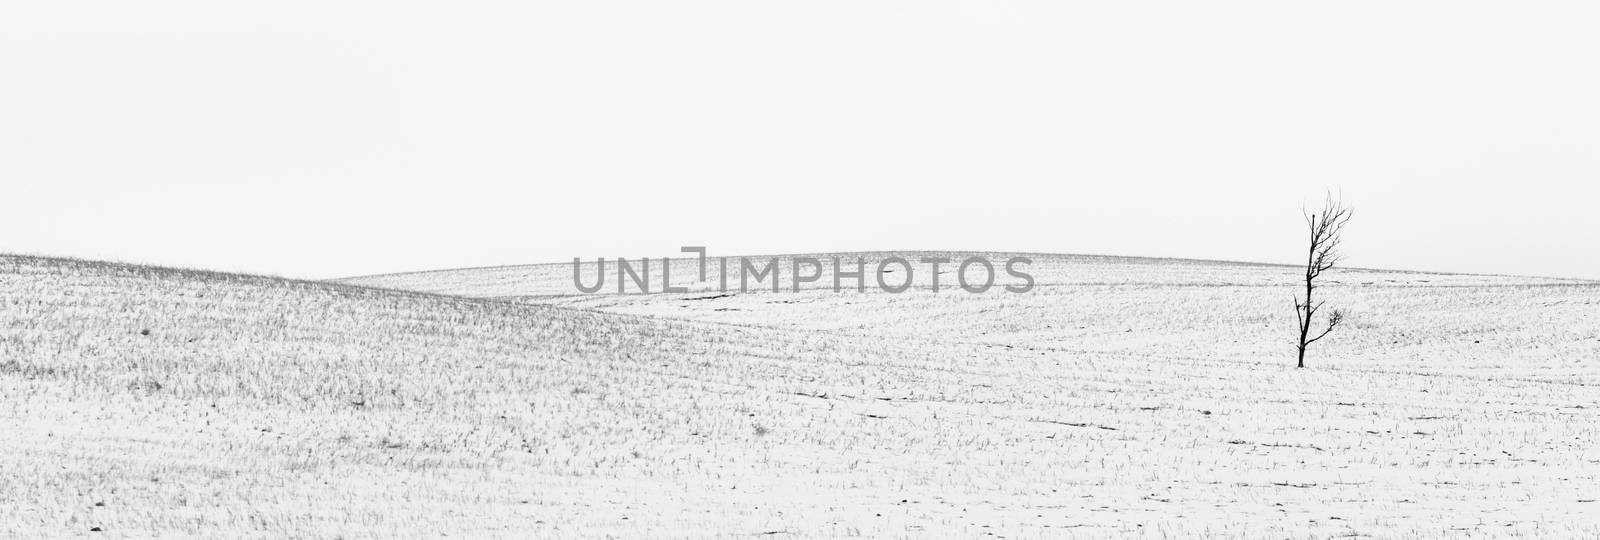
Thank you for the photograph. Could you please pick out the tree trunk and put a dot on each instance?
(1305, 324)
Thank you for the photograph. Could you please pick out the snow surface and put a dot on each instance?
(1120, 398)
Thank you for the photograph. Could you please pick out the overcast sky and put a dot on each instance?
(326, 138)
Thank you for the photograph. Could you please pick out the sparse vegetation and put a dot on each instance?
(1460, 405)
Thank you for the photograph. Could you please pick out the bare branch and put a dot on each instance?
(1333, 322)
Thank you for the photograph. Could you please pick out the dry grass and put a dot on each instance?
(1123, 398)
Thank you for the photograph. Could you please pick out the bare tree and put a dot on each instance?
(1327, 230)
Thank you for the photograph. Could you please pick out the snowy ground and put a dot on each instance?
(1121, 398)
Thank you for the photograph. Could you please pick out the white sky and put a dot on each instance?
(324, 139)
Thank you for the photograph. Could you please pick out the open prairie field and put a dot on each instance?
(1119, 398)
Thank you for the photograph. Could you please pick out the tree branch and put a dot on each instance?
(1333, 322)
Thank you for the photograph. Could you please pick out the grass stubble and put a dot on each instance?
(1124, 397)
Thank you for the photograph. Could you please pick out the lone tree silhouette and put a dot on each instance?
(1327, 230)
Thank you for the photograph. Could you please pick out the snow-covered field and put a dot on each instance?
(1120, 398)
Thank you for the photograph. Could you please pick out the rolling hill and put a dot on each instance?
(1520, 327)
(1121, 397)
